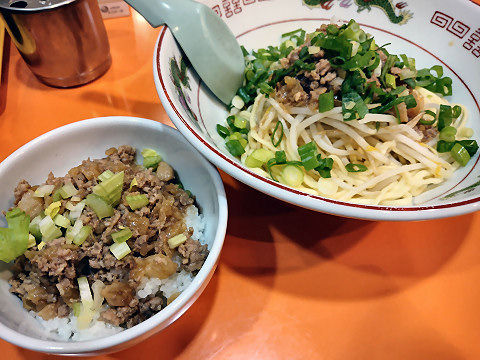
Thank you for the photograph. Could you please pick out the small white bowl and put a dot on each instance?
(446, 35)
(63, 148)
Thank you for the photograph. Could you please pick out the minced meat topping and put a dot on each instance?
(45, 277)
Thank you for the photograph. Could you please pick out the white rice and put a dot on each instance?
(65, 329)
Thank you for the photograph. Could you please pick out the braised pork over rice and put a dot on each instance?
(107, 227)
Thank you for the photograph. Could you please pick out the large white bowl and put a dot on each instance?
(63, 148)
(434, 32)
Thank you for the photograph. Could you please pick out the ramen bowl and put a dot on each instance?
(446, 34)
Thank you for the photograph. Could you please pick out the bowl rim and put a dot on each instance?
(182, 302)
(291, 195)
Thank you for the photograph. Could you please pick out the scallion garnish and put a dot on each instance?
(48, 229)
(308, 156)
(354, 168)
(353, 106)
(67, 191)
(176, 241)
(150, 158)
(234, 147)
(445, 115)
(325, 102)
(100, 207)
(325, 167)
(222, 131)
(120, 250)
(448, 134)
(456, 111)
(107, 174)
(111, 189)
(292, 175)
(277, 139)
(122, 235)
(82, 235)
(136, 201)
(61, 221)
(460, 154)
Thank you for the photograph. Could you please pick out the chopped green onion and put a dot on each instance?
(61, 221)
(244, 95)
(456, 111)
(56, 195)
(353, 106)
(151, 161)
(444, 116)
(150, 158)
(355, 168)
(291, 33)
(280, 157)
(136, 201)
(84, 289)
(237, 102)
(276, 140)
(308, 156)
(101, 208)
(441, 86)
(68, 190)
(292, 175)
(265, 88)
(73, 230)
(235, 147)
(86, 312)
(76, 211)
(470, 145)
(409, 100)
(14, 239)
(111, 189)
(148, 152)
(31, 241)
(240, 122)
(43, 190)
(391, 81)
(428, 122)
(238, 136)
(244, 51)
(460, 154)
(122, 235)
(34, 228)
(53, 209)
(120, 250)
(82, 235)
(48, 229)
(222, 131)
(251, 162)
(107, 174)
(325, 167)
(77, 308)
(444, 146)
(176, 241)
(133, 183)
(259, 157)
(325, 102)
(448, 133)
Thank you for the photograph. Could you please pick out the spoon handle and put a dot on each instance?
(160, 12)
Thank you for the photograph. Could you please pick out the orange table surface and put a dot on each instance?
(291, 283)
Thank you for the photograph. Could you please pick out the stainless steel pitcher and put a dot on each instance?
(64, 42)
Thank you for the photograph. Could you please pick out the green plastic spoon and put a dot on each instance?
(207, 41)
